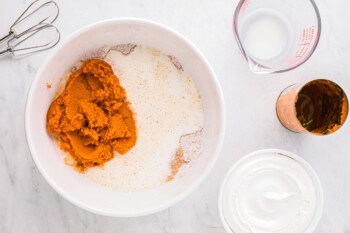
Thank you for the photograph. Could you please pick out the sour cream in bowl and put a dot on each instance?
(271, 191)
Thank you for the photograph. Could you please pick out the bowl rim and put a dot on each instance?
(176, 199)
(308, 168)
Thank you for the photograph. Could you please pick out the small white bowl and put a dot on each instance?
(313, 175)
(76, 188)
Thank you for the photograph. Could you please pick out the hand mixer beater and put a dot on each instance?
(33, 31)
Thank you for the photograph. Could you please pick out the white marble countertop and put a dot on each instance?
(29, 204)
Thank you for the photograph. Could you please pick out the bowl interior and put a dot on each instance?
(75, 187)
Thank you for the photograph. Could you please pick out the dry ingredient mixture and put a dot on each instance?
(92, 117)
(168, 119)
(169, 116)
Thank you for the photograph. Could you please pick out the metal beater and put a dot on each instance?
(32, 32)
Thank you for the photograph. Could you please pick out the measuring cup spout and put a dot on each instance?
(257, 68)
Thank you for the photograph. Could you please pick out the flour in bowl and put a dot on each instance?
(169, 118)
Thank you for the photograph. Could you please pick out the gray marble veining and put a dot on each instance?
(29, 204)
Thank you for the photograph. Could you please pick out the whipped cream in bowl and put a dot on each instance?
(271, 191)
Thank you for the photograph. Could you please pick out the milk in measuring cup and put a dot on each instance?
(266, 34)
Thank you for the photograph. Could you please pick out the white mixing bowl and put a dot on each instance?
(76, 188)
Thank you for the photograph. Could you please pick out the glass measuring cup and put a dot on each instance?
(276, 36)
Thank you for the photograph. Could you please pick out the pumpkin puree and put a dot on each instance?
(92, 117)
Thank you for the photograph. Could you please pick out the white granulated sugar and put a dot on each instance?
(167, 106)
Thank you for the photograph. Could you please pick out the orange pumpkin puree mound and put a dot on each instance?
(92, 117)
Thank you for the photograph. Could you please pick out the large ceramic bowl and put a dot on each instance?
(75, 187)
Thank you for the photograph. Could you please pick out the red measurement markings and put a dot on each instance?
(305, 44)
